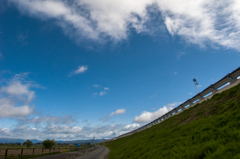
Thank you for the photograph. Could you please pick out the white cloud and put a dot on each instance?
(213, 22)
(81, 69)
(130, 127)
(102, 93)
(96, 86)
(60, 132)
(48, 119)
(203, 21)
(16, 96)
(119, 111)
(8, 108)
(16, 88)
(149, 116)
(179, 55)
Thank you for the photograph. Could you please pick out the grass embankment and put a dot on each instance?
(208, 130)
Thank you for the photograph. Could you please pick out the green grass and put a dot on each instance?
(209, 130)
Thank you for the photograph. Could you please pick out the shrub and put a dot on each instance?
(49, 143)
(28, 143)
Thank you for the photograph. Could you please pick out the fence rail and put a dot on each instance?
(19, 153)
(230, 80)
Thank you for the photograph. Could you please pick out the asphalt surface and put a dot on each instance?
(101, 153)
(67, 155)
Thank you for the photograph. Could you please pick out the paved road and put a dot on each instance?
(101, 153)
(67, 154)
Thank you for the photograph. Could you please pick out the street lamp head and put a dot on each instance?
(194, 80)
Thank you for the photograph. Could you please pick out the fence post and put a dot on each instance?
(49, 150)
(21, 153)
(6, 153)
(42, 151)
(33, 151)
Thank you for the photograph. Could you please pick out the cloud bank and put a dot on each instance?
(201, 22)
(60, 132)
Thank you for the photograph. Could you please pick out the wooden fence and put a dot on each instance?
(19, 153)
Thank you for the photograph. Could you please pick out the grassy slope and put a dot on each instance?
(208, 130)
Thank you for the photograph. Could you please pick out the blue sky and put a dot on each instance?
(74, 70)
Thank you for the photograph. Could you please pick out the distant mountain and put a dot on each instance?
(12, 140)
(82, 141)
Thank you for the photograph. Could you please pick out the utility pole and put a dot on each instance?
(93, 140)
(196, 83)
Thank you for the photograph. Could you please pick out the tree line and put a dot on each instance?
(46, 143)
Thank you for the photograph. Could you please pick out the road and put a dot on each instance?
(67, 154)
(101, 153)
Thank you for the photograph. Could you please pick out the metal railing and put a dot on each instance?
(230, 80)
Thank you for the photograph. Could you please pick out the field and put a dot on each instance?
(13, 151)
(209, 130)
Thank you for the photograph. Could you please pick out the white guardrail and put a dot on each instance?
(230, 80)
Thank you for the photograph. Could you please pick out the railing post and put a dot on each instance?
(42, 151)
(200, 97)
(33, 151)
(232, 80)
(21, 153)
(190, 103)
(6, 153)
(214, 90)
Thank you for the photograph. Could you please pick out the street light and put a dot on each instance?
(196, 83)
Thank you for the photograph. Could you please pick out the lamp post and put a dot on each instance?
(196, 83)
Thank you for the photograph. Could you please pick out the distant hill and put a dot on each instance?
(83, 141)
(12, 140)
(209, 130)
